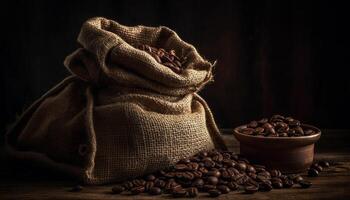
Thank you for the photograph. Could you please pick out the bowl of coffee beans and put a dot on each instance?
(278, 142)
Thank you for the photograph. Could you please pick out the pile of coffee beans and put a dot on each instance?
(213, 172)
(317, 167)
(167, 58)
(276, 126)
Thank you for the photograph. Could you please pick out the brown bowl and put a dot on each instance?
(288, 154)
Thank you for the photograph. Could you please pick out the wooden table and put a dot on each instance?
(19, 182)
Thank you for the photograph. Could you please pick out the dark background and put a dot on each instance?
(287, 57)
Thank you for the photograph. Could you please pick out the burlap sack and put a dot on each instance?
(121, 114)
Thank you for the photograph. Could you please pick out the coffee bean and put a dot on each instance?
(324, 164)
(149, 185)
(253, 124)
(250, 189)
(309, 132)
(265, 186)
(296, 178)
(223, 189)
(317, 167)
(215, 173)
(241, 166)
(150, 177)
(287, 183)
(128, 185)
(179, 193)
(139, 182)
(118, 189)
(208, 187)
(214, 193)
(137, 190)
(233, 185)
(277, 184)
(159, 183)
(192, 192)
(263, 121)
(155, 191)
(312, 172)
(76, 188)
(212, 180)
(250, 169)
(305, 184)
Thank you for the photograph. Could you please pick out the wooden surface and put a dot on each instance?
(23, 182)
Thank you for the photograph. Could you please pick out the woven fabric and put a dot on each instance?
(121, 114)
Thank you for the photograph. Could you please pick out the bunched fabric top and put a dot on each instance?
(109, 53)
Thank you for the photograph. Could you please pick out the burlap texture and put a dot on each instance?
(121, 114)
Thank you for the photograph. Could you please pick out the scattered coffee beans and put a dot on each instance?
(276, 126)
(166, 58)
(305, 184)
(317, 167)
(214, 172)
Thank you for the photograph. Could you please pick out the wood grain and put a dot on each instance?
(334, 183)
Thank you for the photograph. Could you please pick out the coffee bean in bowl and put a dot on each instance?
(278, 142)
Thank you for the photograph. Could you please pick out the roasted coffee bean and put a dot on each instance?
(299, 131)
(241, 166)
(192, 166)
(233, 185)
(250, 189)
(218, 158)
(149, 185)
(159, 183)
(263, 121)
(179, 193)
(309, 132)
(198, 183)
(317, 167)
(223, 189)
(294, 123)
(283, 134)
(253, 124)
(275, 173)
(76, 188)
(208, 187)
(137, 190)
(324, 164)
(150, 177)
(259, 130)
(248, 131)
(155, 191)
(277, 184)
(296, 178)
(128, 185)
(265, 186)
(214, 172)
(209, 163)
(192, 192)
(139, 182)
(250, 169)
(118, 189)
(287, 183)
(214, 193)
(181, 167)
(305, 183)
(312, 172)
(212, 180)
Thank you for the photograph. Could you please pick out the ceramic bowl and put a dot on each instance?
(288, 154)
